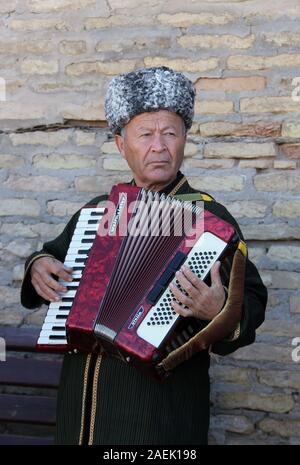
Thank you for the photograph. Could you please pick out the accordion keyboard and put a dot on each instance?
(53, 331)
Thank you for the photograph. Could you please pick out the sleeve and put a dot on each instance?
(255, 300)
(56, 248)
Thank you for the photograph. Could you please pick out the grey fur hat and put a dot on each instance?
(148, 89)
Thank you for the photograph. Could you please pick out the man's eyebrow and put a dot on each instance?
(148, 128)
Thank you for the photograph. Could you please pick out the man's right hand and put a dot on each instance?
(42, 280)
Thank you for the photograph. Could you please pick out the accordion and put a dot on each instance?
(124, 257)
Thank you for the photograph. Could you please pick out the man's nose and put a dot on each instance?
(157, 143)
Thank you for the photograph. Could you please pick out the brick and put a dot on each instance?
(9, 295)
(259, 163)
(27, 25)
(12, 318)
(31, 230)
(183, 64)
(18, 273)
(22, 207)
(218, 183)
(287, 253)
(213, 164)
(213, 106)
(279, 378)
(10, 161)
(51, 139)
(216, 41)
(83, 138)
(273, 182)
(19, 248)
(20, 111)
(120, 44)
(239, 150)
(268, 104)
(35, 183)
(247, 209)
(295, 304)
(261, 352)
(287, 208)
(29, 66)
(277, 403)
(233, 423)
(117, 21)
(48, 6)
(281, 428)
(281, 279)
(115, 164)
(109, 148)
(191, 149)
(72, 47)
(291, 151)
(291, 129)
(36, 47)
(232, 84)
(250, 63)
(99, 184)
(285, 165)
(190, 19)
(221, 128)
(283, 38)
(234, 375)
(89, 112)
(57, 161)
(62, 208)
(36, 318)
(279, 328)
(99, 67)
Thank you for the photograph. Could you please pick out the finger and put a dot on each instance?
(52, 283)
(186, 284)
(59, 269)
(45, 291)
(181, 310)
(180, 296)
(215, 274)
(197, 282)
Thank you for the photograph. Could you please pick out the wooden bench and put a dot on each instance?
(28, 384)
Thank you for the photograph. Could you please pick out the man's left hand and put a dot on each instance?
(203, 301)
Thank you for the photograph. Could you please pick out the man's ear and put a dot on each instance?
(119, 140)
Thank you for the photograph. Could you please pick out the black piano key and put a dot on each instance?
(72, 288)
(63, 307)
(83, 251)
(57, 337)
(80, 260)
(77, 268)
(93, 221)
(87, 241)
(96, 213)
(90, 233)
(58, 328)
(67, 299)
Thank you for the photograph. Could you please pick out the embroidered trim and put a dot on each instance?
(83, 406)
(94, 399)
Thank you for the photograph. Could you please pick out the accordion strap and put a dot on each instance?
(223, 324)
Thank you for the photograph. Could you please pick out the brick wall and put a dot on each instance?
(57, 57)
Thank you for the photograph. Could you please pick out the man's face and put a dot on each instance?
(153, 145)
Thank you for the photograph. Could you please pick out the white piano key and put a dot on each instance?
(46, 341)
(59, 326)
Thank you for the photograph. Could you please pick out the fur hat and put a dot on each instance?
(148, 89)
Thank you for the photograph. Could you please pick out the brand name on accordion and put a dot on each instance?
(136, 317)
(117, 215)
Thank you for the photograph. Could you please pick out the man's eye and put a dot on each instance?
(145, 134)
(170, 133)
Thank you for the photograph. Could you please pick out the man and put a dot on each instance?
(101, 399)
